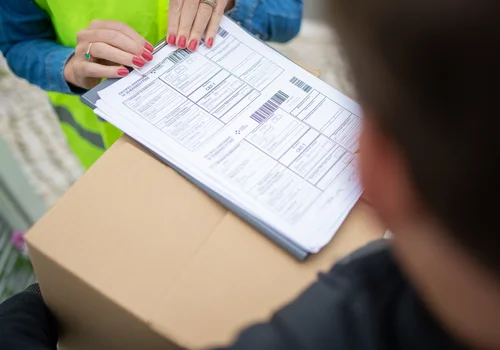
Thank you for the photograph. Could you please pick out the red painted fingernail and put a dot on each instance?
(210, 42)
(138, 62)
(147, 55)
(149, 47)
(182, 42)
(122, 72)
(171, 39)
(193, 44)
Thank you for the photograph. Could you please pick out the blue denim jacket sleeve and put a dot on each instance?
(27, 40)
(271, 20)
(27, 37)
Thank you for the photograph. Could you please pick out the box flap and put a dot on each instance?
(238, 277)
(113, 228)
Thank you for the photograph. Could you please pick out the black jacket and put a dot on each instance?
(364, 302)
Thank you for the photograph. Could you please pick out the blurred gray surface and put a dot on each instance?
(315, 9)
(16, 272)
(36, 168)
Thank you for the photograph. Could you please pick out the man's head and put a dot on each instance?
(427, 74)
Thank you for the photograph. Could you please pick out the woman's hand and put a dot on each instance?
(189, 19)
(112, 46)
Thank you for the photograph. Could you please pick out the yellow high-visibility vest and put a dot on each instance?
(88, 135)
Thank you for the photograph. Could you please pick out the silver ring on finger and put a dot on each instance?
(212, 3)
(87, 54)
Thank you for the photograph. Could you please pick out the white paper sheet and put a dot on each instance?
(253, 126)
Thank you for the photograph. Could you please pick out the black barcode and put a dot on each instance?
(178, 56)
(300, 84)
(267, 110)
(222, 32)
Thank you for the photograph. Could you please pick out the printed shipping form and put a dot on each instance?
(252, 126)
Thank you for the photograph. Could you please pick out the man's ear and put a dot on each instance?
(384, 175)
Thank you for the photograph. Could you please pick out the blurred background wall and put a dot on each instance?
(316, 9)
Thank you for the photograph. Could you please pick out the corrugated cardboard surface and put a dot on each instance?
(134, 256)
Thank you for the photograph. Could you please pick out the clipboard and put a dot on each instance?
(91, 97)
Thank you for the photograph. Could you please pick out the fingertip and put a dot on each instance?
(181, 43)
(148, 56)
(193, 44)
(138, 62)
(122, 72)
(171, 39)
(149, 47)
(210, 42)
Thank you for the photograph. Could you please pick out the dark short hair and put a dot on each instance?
(430, 69)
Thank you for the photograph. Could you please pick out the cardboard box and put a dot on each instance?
(136, 257)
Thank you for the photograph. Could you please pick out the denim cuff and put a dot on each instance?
(243, 11)
(54, 68)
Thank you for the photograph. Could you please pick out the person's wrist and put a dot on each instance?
(68, 72)
(71, 79)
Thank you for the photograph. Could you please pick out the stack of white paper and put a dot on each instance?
(252, 126)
